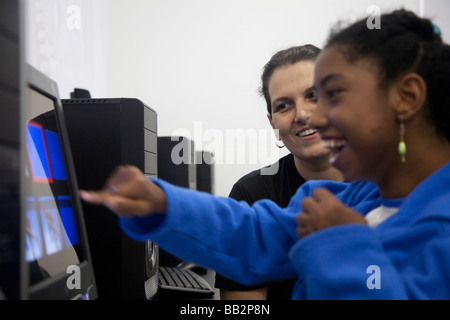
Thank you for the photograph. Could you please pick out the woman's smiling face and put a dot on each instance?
(293, 101)
(355, 116)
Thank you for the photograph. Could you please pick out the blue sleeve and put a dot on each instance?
(249, 244)
(246, 244)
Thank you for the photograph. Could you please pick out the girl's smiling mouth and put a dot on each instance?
(335, 146)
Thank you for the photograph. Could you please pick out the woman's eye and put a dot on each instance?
(282, 107)
(312, 96)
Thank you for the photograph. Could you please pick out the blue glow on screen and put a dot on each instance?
(68, 220)
(56, 156)
(37, 150)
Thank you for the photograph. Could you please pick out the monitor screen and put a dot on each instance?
(56, 249)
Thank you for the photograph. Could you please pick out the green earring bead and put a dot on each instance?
(402, 150)
(402, 144)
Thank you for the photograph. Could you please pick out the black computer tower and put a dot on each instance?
(176, 164)
(105, 133)
(10, 103)
(204, 163)
(176, 161)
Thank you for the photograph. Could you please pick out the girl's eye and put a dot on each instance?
(333, 93)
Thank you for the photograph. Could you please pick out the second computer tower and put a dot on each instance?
(105, 133)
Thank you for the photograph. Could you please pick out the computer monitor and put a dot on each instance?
(56, 248)
(105, 133)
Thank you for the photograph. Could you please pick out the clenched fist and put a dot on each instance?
(324, 210)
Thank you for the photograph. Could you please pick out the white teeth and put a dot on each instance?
(335, 147)
(333, 144)
(333, 157)
(307, 132)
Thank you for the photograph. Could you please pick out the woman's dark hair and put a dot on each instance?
(405, 43)
(283, 58)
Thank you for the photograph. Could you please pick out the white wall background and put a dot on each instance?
(196, 62)
(439, 11)
(67, 40)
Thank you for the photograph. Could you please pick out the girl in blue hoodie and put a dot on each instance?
(383, 110)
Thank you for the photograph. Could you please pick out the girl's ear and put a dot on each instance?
(412, 94)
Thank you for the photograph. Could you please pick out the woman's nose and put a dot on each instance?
(303, 113)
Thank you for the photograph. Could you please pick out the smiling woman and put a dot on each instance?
(287, 86)
(293, 102)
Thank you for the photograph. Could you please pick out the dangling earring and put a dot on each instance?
(278, 144)
(277, 135)
(402, 144)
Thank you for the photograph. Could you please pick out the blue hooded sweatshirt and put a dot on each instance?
(405, 257)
